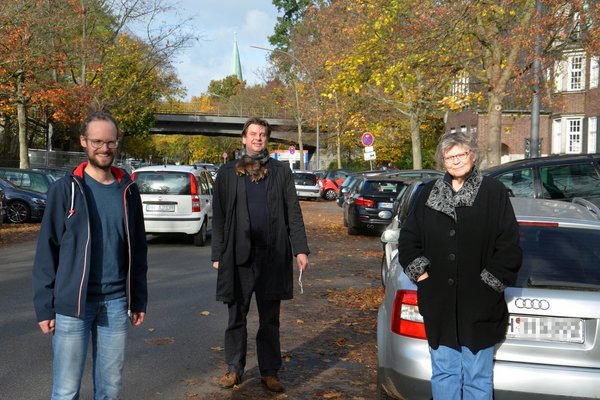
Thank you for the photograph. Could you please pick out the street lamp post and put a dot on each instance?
(312, 84)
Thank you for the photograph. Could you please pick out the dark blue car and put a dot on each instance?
(22, 205)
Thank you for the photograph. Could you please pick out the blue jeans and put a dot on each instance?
(460, 374)
(106, 322)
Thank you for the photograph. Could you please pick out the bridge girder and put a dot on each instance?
(282, 130)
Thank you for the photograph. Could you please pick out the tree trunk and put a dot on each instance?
(22, 122)
(415, 135)
(494, 137)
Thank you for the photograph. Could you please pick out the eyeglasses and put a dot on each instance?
(98, 144)
(457, 157)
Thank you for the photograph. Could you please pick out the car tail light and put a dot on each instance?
(133, 176)
(194, 192)
(406, 320)
(544, 224)
(361, 201)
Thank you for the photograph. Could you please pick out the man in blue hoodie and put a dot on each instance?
(89, 272)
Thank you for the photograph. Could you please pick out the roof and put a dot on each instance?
(180, 168)
(579, 213)
(548, 160)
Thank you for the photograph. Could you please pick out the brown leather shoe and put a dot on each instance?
(272, 383)
(229, 380)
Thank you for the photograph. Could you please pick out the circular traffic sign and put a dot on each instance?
(224, 155)
(367, 139)
(292, 149)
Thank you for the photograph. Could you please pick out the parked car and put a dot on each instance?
(349, 182)
(552, 347)
(27, 178)
(56, 172)
(368, 206)
(2, 206)
(330, 182)
(212, 168)
(556, 177)
(403, 206)
(22, 205)
(307, 185)
(176, 199)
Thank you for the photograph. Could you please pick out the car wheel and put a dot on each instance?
(18, 212)
(200, 237)
(330, 194)
(352, 230)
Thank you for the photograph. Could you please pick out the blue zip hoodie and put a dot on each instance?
(62, 260)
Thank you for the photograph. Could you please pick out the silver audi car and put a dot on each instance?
(552, 345)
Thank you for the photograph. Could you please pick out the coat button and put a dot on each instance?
(451, 257)
(452, 232)
(450, 282)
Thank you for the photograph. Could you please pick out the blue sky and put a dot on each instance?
(216, 22)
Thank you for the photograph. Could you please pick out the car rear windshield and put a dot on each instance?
(305, 179)
(375, 188)
(560, 258)
(163, 182)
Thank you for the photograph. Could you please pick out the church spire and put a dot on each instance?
(236, 65)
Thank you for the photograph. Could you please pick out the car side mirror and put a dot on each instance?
(390, 236)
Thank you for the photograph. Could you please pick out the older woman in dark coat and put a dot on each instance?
(461, 247)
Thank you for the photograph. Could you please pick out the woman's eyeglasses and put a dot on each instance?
(457, 157)
(97, 143)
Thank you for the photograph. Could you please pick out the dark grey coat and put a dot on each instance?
(231, 242)
(469, 245)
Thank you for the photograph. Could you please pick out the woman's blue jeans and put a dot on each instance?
(106, 323)
(460, 374)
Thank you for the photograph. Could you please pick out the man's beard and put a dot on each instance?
(104, 164)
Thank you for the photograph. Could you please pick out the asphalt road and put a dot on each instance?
(177, 346)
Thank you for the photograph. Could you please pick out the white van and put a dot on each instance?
(176, 199)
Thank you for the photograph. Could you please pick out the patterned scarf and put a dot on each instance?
(442, 198)
(253, 165)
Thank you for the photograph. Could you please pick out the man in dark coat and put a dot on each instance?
(257, 230)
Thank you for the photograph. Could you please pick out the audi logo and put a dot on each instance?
(532, 304)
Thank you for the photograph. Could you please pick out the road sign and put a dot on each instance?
(224, 155)
(292, 150)
(367, 139)
(370, 156)
(369, 149)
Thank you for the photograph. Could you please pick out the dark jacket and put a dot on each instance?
(469, 245)
(231, 241)
(62, 260)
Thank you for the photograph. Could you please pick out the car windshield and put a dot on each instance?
(375, 188)
(560, 258)
(305, 179)
(163, 182)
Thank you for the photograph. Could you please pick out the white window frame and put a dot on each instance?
(556, 136)
(594, 72)
(574, 135)
(576, 72)
(592, 134)
(569, 74)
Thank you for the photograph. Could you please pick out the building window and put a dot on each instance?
(575, 72)
(592, 129)
(452, 130)
(463, 129)
(569, 74)
(594, 69)
(574, 136)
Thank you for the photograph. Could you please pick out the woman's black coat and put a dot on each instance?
(231, 242)
(471, 252)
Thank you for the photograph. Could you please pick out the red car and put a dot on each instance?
(330, 181)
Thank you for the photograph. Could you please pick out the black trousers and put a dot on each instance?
(248, 280)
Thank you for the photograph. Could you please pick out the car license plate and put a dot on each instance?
(386, 205)
(160, 207)
(548, 329)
